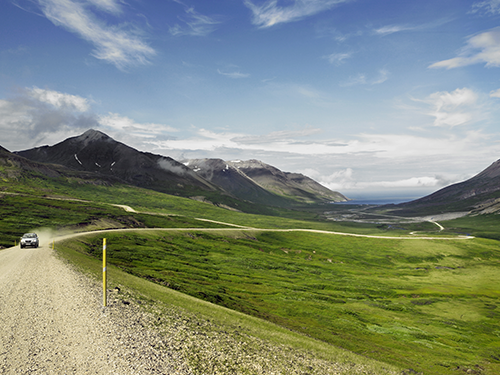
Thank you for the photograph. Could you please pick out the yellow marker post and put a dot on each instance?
(104, 281)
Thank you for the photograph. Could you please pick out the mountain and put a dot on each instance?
(478, 195)
(94, 151)
(236, 184)
(14, 167)
(259, 182)
(287, 184)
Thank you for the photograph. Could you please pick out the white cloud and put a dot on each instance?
(110, 6)
(113, 44)
(383, 75)
(60, 100)
(117, 122)
(302, 143)
(37, 115)
(277, 136)
(196, 24)
(385, 30)
(270, 13)
(338, 58)
(454, 108)
(348, 180)
(495, 94)
(487, 7)
(480, 48)
(361, 79)
(234, 75)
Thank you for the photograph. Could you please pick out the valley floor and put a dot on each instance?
(53, 321)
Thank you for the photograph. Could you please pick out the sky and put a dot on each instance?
(367, 97)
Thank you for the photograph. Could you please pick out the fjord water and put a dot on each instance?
(379, 200)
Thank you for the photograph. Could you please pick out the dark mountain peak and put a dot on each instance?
(94, 151)
(3, 150)
(91, 136)
(492, 171)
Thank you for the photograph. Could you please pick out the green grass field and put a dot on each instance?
(431, 306)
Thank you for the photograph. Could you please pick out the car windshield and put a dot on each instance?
(29, 235)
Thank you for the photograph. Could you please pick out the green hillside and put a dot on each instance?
(424, 306)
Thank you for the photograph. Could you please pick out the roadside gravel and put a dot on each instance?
(52, 322)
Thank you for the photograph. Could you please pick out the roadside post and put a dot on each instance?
(104, 281)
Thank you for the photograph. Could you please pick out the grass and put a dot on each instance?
(427, 305)
(486, 226)
(220, 340)
(416, 304)
(24, 213)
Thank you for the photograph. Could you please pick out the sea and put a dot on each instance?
(379, 200)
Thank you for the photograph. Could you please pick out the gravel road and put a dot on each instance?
(52, 322)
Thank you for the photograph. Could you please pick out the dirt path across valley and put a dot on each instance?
(52, 322)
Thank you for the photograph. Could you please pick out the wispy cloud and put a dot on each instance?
(453, 108)
(110, 6)
(301, 142)
(392, 29)
(269, 13)
(480, 48)
(338, 58)
(361, 79)
(234, 75)
(385, 30)
(121, 123)
(194, 23)
(495, 94)
(486, 7)
(292, 136)
(119, 45)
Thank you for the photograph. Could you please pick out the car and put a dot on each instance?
(29, 239)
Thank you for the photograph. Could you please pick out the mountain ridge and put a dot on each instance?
(477, 195)
(95, 152)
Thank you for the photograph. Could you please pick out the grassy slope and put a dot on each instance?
(383, 298)
(416, 304)
(243, 344)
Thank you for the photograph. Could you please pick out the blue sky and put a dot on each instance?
(367, 97)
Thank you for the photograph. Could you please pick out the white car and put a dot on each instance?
(29, 239)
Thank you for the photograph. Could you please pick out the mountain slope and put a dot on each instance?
(479, 194)
(294, 185)
(259, 182)
(94, 151)
(14, 167)
(235, 182)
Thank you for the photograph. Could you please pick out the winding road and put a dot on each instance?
(52, 320)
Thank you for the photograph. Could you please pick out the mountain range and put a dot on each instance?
(97, 158)
(209, 179)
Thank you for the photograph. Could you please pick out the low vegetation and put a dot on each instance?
(417, 304)
(424, 306)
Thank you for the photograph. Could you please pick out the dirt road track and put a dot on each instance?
(52, 322)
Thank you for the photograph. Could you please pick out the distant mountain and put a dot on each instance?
(287, 184)
(214, 180)
(259, 182)
(14, 167)
(94, 151)
(479, 194)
